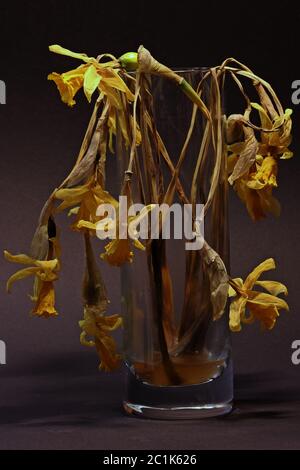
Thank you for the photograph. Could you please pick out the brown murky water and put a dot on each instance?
(192, 369)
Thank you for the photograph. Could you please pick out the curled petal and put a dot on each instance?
(21, 274)
(76, 55)
(237, 309)
(251, 279)
(266, 300)
(273, 287)
(70, 197)
(21, 259)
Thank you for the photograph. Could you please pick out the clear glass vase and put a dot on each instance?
(177, 358)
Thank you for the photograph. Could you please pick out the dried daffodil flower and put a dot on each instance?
(84, 201)
(275, 143)
(45, 273)
(91, 76)
(99, 327)
(118, 251)
(262, 306)
(255, 188)
(252, 163)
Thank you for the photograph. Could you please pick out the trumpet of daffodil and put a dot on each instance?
(118, 251)
(261, 306)
(89, 196)
(99, 327)
(45, 273)
(90, 76)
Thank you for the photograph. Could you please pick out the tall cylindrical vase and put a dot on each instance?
(177, 356)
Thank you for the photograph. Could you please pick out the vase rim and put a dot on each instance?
(189, 69)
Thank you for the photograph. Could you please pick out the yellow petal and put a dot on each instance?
(109, 322)
(21, 259)
(76, 55)
(266, 175)
(138, 244)
(91, 82)
(21, 274)
(68, 83)
(119, 84)
(70, 196)
(45, 304)
(112, 94)
(86, 224)
(47, 265)
(273, 287)
(286, 155)
(237, 308)
(256, 273)
(73, 211)
(250, 198)
(266, 121)
(267, 315)
(266, 300)
(106, 348)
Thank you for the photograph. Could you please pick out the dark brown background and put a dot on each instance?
(51, 395)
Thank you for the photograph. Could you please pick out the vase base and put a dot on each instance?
(192, 412)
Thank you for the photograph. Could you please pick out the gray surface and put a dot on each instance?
(63, 403)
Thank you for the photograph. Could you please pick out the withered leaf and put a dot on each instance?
(86, 166)
(247, 156)
(218, 280)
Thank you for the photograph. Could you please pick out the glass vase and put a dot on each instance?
(177, 358)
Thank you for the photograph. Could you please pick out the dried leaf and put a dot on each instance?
(85, 167)
(218, 280)
(247, 156)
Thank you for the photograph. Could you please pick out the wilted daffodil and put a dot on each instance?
(262, 306)
(84, 201)
(90, 76)
(118, 250)
(45, 273)
(255, 188)
(99, 327)
(275, 143)
(257, 163)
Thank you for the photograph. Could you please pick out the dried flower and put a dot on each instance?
(89, 196)
(91, 76)
(262, 306)
(45, 273)
(99, 327)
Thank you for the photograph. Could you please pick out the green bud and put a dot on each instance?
(129, 61)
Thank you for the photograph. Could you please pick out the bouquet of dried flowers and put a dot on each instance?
(123, 105)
